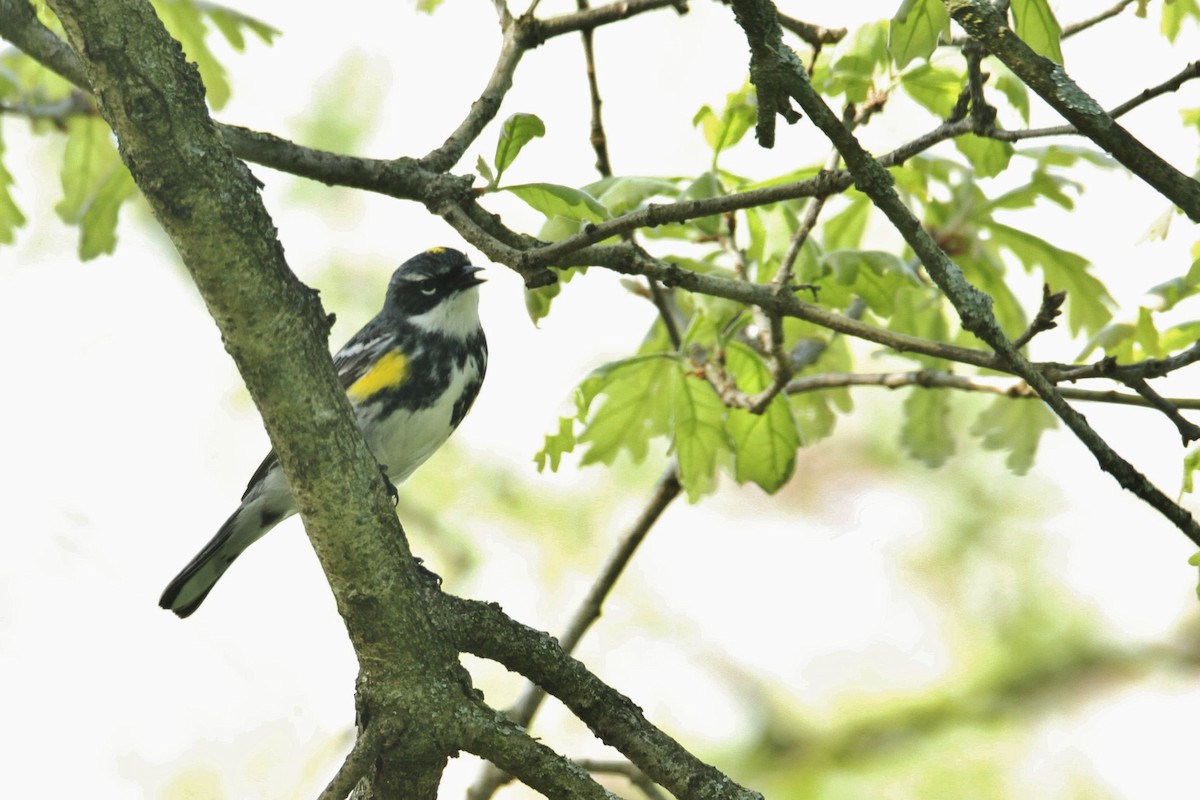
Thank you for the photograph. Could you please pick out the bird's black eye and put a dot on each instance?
(427, 288)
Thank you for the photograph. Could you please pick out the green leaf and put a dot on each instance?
(699, 433)
(517, 131)
(989, 157)
(764, 445)
(1014, 90)
(845, 229)
(1089, 305)
(231, 23)
(1035, 23)
(1145, 334)
(915, 30)
(537, 301)
(626, 193)
(1066, 155)
(922, 313)
(926, 434)
(1041, 185)
(1191, 463)
(854, 62)
(1015, 426)
(726, 129)
(771, 229)
(95, 184)
(1115, 340)
(1174, 13)
(11, 217)
(814, 416)
(560, 201)
(556, 445)
(935, 88)
(638, 406)
(182, 19)
(1179, 336)
(99, 225)
(485, 172)
(873, 275)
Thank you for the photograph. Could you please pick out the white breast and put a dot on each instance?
(410, 437)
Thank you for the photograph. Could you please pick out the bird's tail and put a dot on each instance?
(189, 588)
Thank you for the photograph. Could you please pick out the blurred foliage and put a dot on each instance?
(1019, 642)
(95, 181)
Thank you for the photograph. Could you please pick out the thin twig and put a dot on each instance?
(662, 301)
(354, 767)
(490, 777)
(939, 379)
(484, 630)
(814, 35)
(982, 113)
(1046, 318)
(484, 109)
(598, 139)
(781, 73)
(1082, 25)
(1188, 430)
(541, 30)
(1172, 84)
(77, 103)
(1053, 84)
(665, 491)
(490, 735)
(626, 770)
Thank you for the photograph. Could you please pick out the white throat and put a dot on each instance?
(457, 317)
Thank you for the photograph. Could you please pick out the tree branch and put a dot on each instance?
(938, 379)
(539, 31)
(779, 71)
(1172, 84)
(1188, 430)
(19, 24)
(626, 770)
(483, 630)
(276, 331)
(484, 109)
(814, 35)
(981, 20)
(598, 139)
(522, 713)
(491, 735)
(1082, 25)
(355, 767)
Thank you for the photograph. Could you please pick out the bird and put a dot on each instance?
(412, 373)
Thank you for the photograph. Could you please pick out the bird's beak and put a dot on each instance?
(469, 277)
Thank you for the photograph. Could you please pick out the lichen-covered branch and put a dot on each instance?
(483, 630)
(492, 736)
(522, 713)
(981, 20)
(781, 71)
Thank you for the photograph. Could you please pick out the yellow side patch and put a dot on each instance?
(387, 373)
(435, 250)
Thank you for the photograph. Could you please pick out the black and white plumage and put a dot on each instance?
(411, 374)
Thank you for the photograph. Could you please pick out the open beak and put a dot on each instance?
(469, 277)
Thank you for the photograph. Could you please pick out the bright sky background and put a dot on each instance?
(128, 441)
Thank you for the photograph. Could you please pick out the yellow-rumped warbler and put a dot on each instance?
(411, 374)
